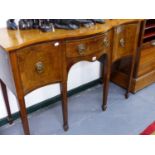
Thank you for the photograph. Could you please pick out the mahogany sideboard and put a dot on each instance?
(30, 59)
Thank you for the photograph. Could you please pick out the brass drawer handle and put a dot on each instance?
(119, 29)
(81, 49)
(122, 42)
(39, 66)
(106, 42)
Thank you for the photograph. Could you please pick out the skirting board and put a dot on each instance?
(52, 100)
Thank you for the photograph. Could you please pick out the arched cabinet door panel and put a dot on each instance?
(40, 64)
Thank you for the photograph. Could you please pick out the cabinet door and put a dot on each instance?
(125, 40)
(40, 64)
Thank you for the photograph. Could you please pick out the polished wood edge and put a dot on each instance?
(66, 34)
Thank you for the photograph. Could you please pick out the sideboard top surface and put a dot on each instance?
(14, 39)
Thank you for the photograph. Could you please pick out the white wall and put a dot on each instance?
(3, 22)
(79, 74)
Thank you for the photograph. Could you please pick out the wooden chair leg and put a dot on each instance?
(64, 105)
(5, 96)
(23, 114)
(130, 78)
(106, 76)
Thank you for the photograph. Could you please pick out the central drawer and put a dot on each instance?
(40, 64)
(88, 46)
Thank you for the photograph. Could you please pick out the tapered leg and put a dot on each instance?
(5, 95)
(130, 78)
(106, 76)
(64, 105)
(23, 114)
(19, 92)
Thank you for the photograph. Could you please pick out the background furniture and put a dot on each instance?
(144, 73)
(33, 59)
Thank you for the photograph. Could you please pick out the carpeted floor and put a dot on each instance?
(123, 117)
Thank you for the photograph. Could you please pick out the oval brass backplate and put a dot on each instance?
(106, 42)
(81, 49)
(39, 66)
(122, 42)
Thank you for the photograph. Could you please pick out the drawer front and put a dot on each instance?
(125, 40)
(40, 65)
(89, 46)
(147, 59)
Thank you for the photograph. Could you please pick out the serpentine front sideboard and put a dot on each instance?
(30, 59)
